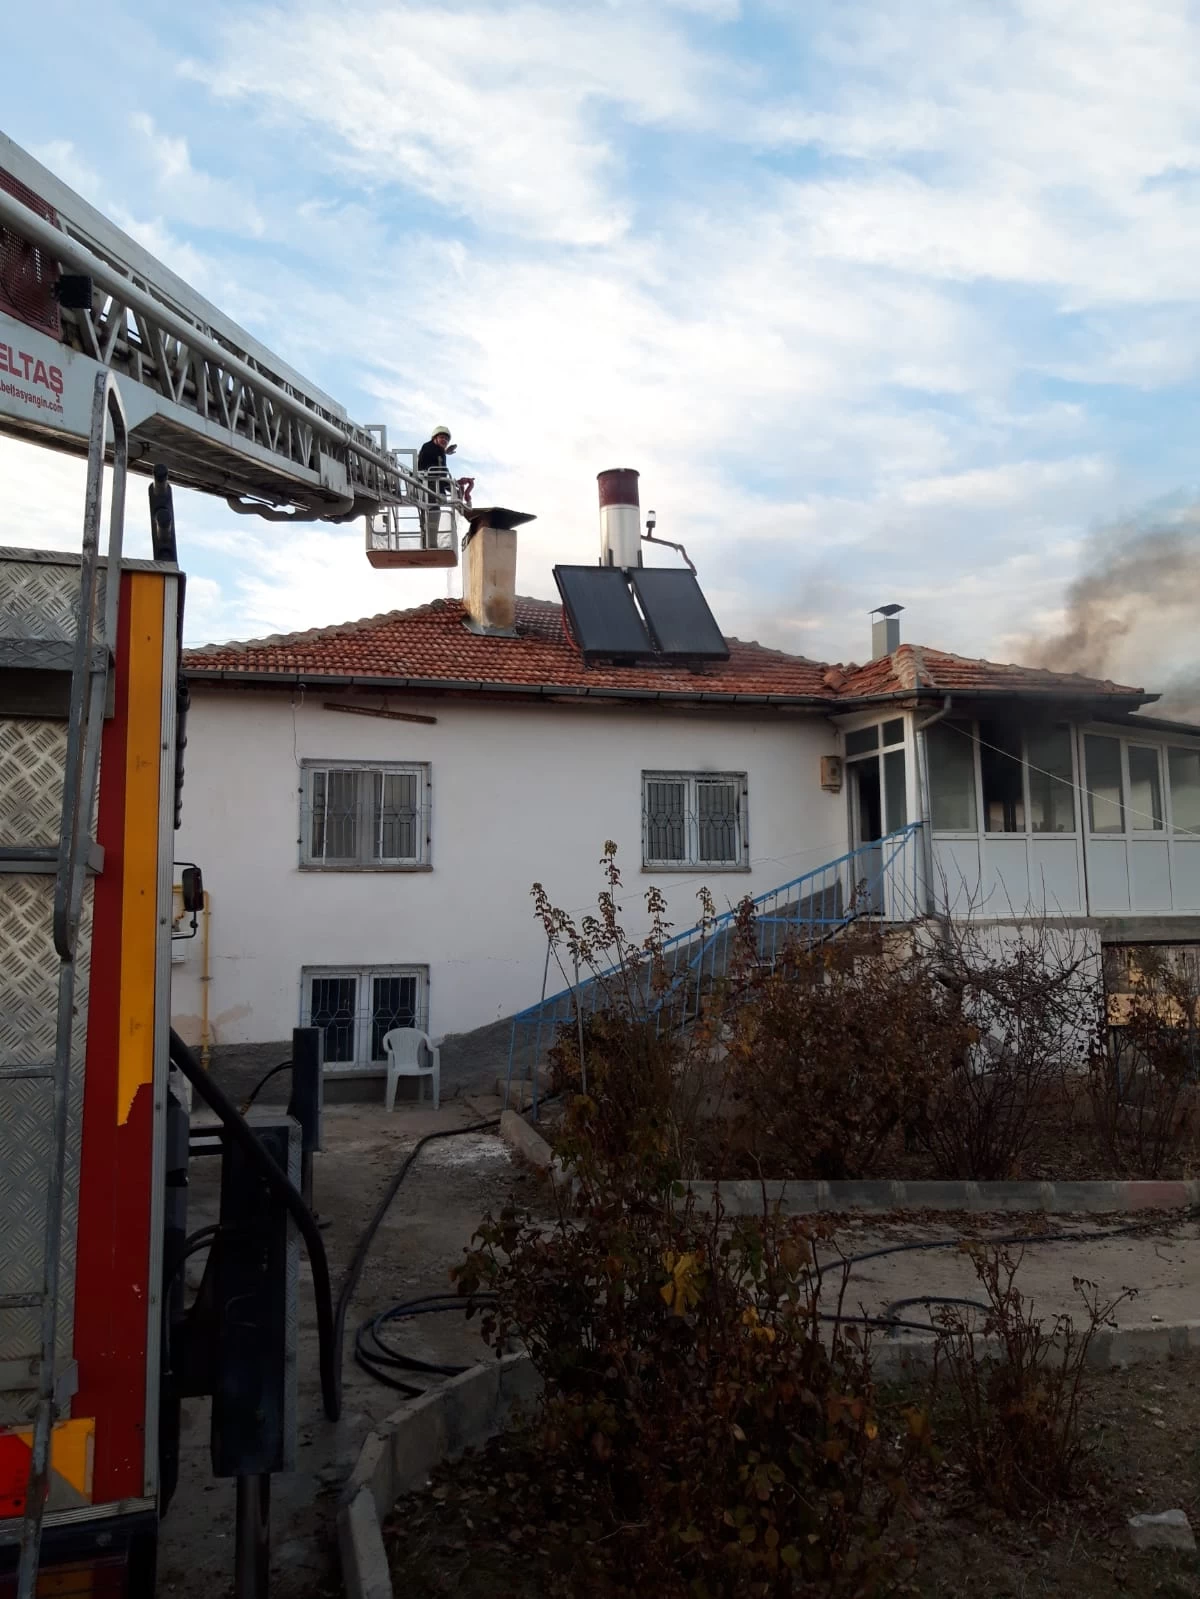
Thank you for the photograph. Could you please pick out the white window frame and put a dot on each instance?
(363, 1016)
(692, 861)
(420, 861)
(1135, 826)
(1028, 832)
(881, 749)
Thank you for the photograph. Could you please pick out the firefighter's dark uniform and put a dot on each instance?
(431, 463)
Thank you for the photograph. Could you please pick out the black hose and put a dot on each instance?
(359, 1259)
(378, 1358)
(205, 1237)
(193, 1241)
(283, 1189)
(284, 1066)
(927, 1300)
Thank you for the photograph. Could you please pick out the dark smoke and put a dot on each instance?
(1133, 609)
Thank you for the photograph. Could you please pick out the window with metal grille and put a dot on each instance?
(364, 816)
(695, 819)
(356, 1007)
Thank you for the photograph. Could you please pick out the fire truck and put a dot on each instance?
(106, 354)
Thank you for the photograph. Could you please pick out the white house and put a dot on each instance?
(371, 803)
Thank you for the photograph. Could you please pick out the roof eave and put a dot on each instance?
(430, 685)
(853, 702)
(829, 702)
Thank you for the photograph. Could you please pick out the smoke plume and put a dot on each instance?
(1133, 613)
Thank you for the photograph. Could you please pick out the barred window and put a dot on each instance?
(364, 816)
(356, 1007)
(695, 819)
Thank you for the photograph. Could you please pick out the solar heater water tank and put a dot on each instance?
(620, 518)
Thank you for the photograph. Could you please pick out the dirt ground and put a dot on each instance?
(1143, 1424)
(432, 1220)
(1143, 1427)
(1161, 1263)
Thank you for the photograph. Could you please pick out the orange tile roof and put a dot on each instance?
(430, 645)
(917, 666)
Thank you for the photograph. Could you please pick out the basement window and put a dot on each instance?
(356, 816)
(356, 1007)
(695, 819)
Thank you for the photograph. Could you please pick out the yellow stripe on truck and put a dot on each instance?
(139, 904)
(72, 1447)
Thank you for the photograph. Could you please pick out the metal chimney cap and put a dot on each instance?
(497, 516)
(886, 610)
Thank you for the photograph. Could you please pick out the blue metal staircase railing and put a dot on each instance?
(879, 881)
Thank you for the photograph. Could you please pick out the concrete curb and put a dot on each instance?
(745, 1198)
(525, 1140)
(1111, 1349)
(399, 1454)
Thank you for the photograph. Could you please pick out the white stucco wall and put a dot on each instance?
(518, 794)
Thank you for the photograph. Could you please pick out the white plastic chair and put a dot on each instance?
(403, 1046)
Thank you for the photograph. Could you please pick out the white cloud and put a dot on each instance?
(491, 111)
(61, 156)
(1018, 482)
(182, 191)
(42, 505)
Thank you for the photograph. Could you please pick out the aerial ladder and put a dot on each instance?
(203, 399)
(106, 354)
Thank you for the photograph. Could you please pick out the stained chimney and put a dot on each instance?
(885, 631)
(620, 518)
(490, 569)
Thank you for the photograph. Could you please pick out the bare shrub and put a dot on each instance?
(1016, 1383)
(632, 1077)
(1026, 1001)
(1145, 1060)
(970, 1039)
(834, 1049)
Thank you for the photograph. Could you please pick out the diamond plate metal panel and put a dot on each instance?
(41, 601)
(28, 1000)
(32, 757)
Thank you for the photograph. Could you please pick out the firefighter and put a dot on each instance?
(431, 464)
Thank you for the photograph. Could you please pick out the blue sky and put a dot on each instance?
(886, 301)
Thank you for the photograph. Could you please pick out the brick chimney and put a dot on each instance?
(490, 569)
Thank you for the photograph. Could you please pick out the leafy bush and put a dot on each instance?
(715, 1443)
(1016, 1385)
